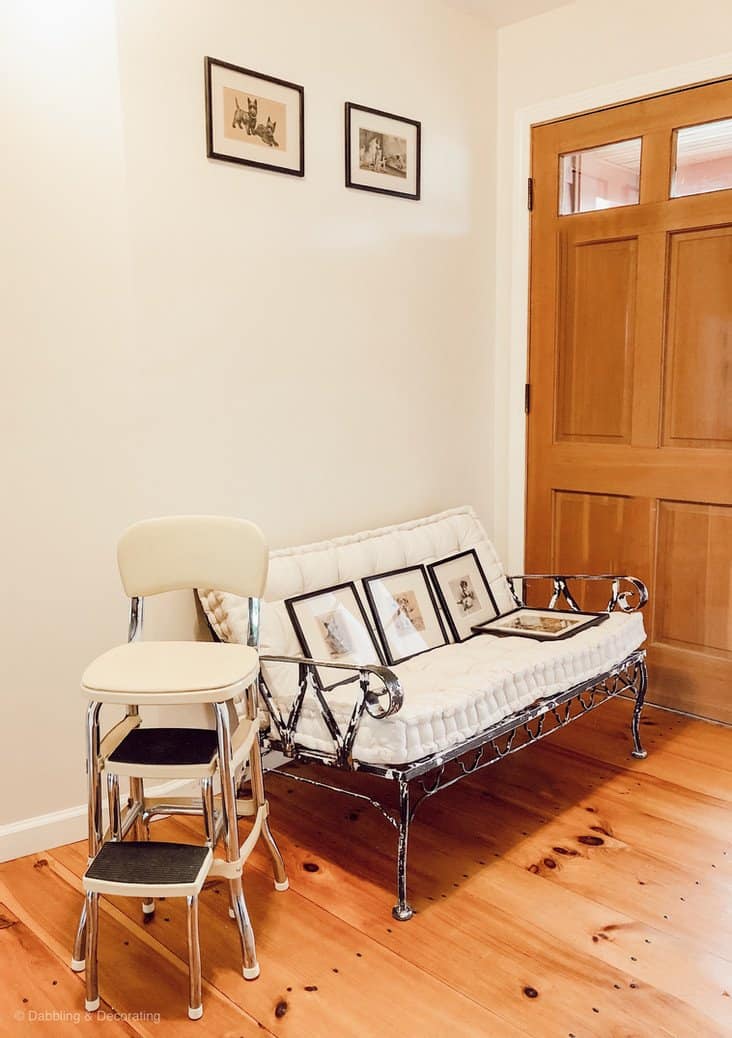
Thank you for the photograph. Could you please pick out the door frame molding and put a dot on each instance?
(510, 461)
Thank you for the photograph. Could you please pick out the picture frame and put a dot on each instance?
(464, 592)
(332, 625)
(253, 119)
(540, 625)
(406, 614)
(383, 152)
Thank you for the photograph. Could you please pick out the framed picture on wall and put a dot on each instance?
(464, 592)
(331, 625)
(383, 152)
(405, 611)
(253, 119)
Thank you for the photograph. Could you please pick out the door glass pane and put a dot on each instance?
(703, 158)
(600, 178)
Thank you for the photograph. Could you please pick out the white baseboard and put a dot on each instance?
(43, 832)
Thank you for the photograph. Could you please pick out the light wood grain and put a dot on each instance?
(566, 890)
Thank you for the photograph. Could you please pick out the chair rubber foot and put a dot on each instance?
(148, 909)
(195, 1012)
(232, 913)
(78, 965)
(639, 754)
(284, 885)
(250, 972)
(91, 1007)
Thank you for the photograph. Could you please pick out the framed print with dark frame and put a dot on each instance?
(332, 625)
(253, 119)
(383, 152)
(464, 592)
(543, 625)
(405, 611)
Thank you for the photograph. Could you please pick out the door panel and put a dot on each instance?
(698, 385)
(600, 533)
(693, 580)
(595, 377)
(630, 431)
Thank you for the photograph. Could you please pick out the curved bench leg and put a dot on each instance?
(402, 910)
(640, 694)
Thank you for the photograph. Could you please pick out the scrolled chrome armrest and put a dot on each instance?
(392, 686)
(628, 600)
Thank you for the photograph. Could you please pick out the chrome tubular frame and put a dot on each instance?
(380, 694)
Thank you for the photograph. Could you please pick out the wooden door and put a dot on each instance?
(630, 367)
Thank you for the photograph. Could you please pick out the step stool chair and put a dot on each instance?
(155, 556)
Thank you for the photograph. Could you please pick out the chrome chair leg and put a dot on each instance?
(250, 968)
(78, 955)
(115, 813)
(195, 1004)
(209, 814)
(281, 881)
(92, 941)
(95, 832)
(141, 831)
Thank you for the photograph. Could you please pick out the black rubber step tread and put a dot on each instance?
(147, 862)
(174, 746)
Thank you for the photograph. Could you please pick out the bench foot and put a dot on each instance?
(641, 687)
(402, 913)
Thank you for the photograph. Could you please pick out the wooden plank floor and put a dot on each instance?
(567, 891)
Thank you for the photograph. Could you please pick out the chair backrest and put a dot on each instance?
(193, 551)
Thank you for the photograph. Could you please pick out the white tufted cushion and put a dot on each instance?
(450, 693)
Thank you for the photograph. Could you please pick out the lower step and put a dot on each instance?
(148, 869)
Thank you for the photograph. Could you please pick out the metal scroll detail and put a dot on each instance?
(550, 720)
(379, 694)
(627, 594)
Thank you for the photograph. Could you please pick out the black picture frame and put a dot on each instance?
(211, 152)
(291, 605)
(391, 658)
(415, 195)
(432, 567)
(592, 620)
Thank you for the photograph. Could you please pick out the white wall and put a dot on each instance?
(583, 55)
(183, 335)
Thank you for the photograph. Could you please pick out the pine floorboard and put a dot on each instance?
(567, 891)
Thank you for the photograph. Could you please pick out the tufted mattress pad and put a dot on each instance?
(450, 693)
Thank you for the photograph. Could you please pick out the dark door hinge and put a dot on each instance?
(530, 194)
(527, 398)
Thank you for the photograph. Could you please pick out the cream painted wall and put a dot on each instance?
(586, 54)
(186, 335)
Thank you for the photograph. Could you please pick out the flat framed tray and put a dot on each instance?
(543, 625)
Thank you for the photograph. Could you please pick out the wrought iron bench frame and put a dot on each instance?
(439, 771)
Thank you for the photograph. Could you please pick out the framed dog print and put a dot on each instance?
(253, 119)
(464, 592)
(405, 612)
(542, 625)
(332, 626)
(383, 152)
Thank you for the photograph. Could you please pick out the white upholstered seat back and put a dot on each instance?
(295, 571)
